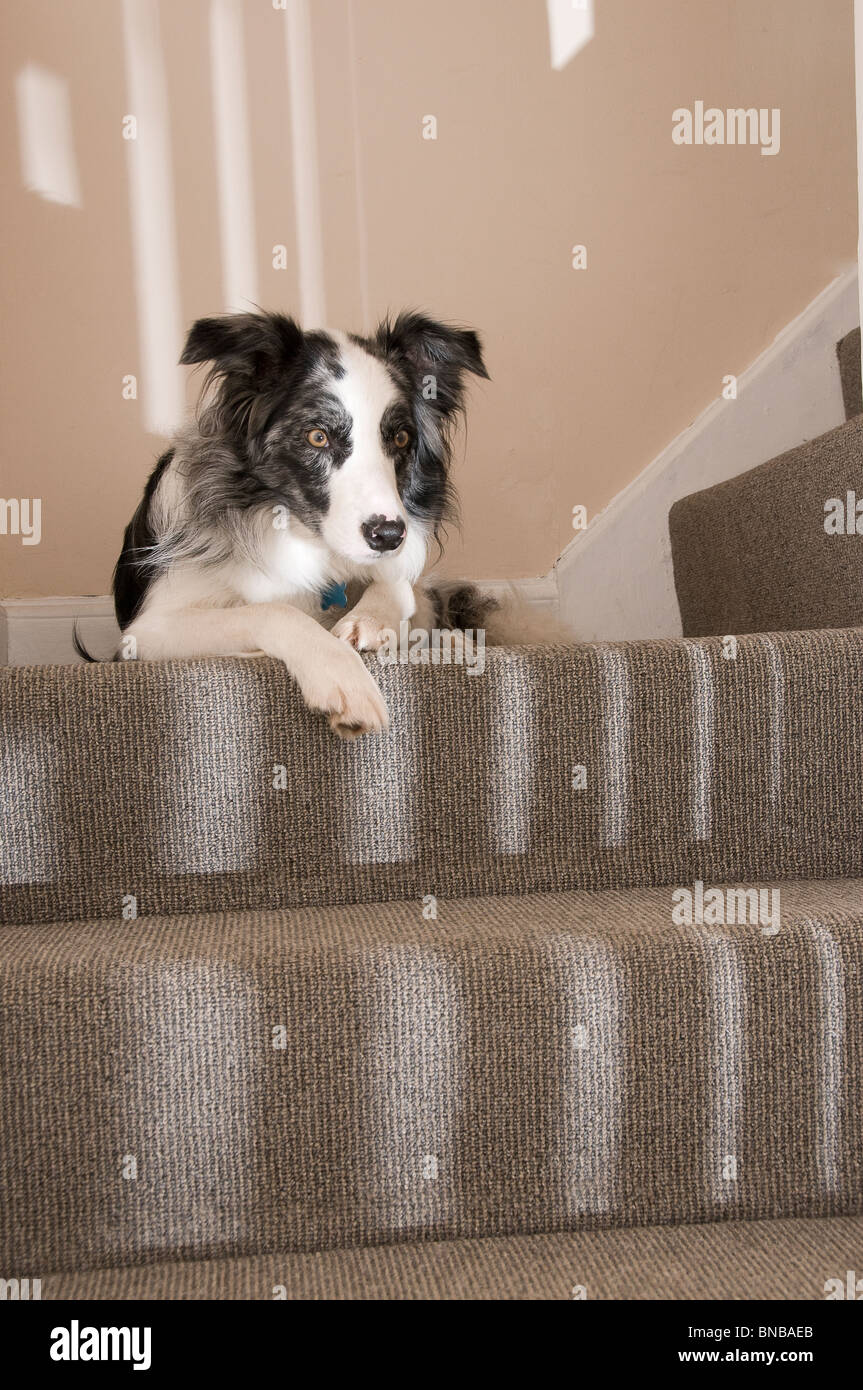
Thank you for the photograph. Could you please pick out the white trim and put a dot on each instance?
(38, 631)
(616, 578)
(539, 593)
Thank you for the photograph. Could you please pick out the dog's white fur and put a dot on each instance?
(241, 607)
(264, 595)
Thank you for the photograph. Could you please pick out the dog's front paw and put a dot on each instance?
(342, 689)
(361, 632)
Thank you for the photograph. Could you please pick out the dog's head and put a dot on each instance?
(351, 435)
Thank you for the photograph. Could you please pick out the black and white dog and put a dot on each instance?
(316, 460)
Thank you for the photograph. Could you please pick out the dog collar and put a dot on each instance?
(334, 597)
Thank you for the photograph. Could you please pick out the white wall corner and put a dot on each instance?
(615, 578)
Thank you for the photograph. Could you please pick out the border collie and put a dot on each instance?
(316, 461)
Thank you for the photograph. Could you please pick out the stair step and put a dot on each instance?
(220, 1085)
(720, 1260)
(149, 787)
(752, 554)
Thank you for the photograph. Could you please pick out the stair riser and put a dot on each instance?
(555, 1076)
(154, 782)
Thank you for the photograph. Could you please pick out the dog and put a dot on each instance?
(318, 463)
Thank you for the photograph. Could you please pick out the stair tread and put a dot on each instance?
(756, 554)
(780, 1259)
(251, 934)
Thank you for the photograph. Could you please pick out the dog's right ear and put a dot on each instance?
(252, 356)
(248, 345)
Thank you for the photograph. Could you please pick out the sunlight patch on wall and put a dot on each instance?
(570, 29)
(233, 155)
(48, 166)
(151, 204)
(304, 154)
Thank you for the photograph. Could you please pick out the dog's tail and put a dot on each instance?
(80, 648)
(508, 620)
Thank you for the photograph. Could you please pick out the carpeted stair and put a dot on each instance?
(334, 1077)
(735, 1259)
(559, 768)
(753, 555)
(419, 1017)
(482, 1045)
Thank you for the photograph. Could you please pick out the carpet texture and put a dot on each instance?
(234, 1084)
(752, 554)
(205, 786)
(848, 352)
(733, 1259)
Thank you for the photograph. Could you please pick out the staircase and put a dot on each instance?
(418, 1017)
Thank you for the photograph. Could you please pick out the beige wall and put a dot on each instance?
(696, 256)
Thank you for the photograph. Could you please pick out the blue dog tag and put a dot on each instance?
(335, 596)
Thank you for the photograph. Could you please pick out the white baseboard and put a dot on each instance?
(541, 592)
(38, 631)
(616, 578)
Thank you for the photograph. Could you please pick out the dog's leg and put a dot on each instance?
(330, 675)
(383, 606)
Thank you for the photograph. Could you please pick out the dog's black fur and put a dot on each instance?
(248, 450)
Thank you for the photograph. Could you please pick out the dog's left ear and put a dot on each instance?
(438, 356)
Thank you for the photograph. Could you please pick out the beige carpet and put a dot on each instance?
(558, 768)
(733, 1260)
(223, 1085)
(752, 554)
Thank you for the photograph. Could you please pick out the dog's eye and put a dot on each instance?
(318, 439)
(402, 439)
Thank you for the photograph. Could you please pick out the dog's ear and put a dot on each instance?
(252, 356)
(247, 345)
(438, 355)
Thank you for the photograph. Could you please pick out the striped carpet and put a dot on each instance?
(804, 1259)
(425, 1015)
(158, 788)
(230, 1084)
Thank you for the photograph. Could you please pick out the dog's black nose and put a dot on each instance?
(382, 534)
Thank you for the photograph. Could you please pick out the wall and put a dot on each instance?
(616, 579)
(696, 256)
